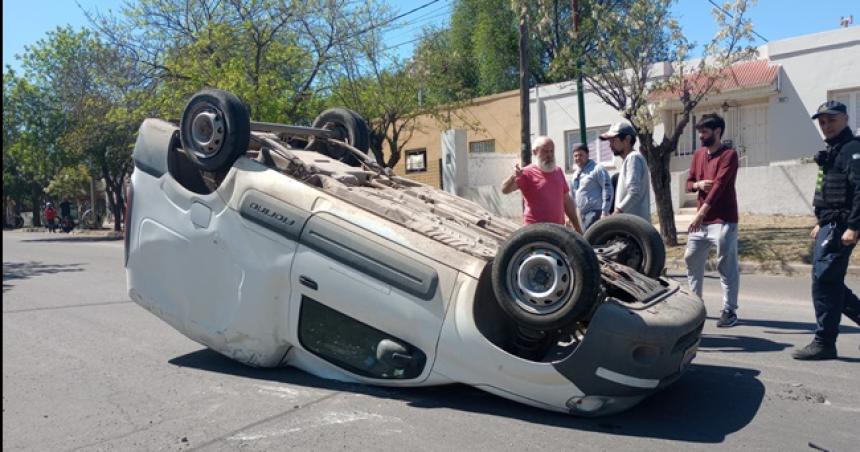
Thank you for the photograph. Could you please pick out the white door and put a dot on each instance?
(752, 144)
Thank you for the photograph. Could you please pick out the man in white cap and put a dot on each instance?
(633, 194)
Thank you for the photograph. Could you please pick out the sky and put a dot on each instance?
(27, 21)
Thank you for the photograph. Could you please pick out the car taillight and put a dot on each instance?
(129, 194)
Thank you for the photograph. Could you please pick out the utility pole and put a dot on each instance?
(580, 96)
(525, 132)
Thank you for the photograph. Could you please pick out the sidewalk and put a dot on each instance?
(774, 267)
(79, 234)
(788, 268)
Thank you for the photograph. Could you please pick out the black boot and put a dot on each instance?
(815, 352)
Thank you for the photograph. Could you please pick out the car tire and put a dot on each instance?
(645, 251)
(349, 127)
(545, 277)
(215, 129)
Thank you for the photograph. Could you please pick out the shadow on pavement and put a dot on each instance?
(705, 405)
(26, 270)
(76, 238)
(797, 327)
(723, 343)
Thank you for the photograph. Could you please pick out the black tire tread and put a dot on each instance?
(655, 254)
(236, 137)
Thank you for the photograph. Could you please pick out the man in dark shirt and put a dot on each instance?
(837, 210)
(712, 175)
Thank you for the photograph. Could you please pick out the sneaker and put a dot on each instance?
(815, 352)
(727, 319)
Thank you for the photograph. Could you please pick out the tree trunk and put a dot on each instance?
(115, 199)
(661, 180)
(116, 206)
(36, 198)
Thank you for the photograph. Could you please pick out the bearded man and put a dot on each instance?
(633, 194)
(544, 187)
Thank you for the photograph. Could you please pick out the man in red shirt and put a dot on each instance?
(51, 217)
(544, 188)
(712, 176)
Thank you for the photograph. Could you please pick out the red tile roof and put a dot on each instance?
(742, 75)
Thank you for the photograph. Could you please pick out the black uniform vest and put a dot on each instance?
(834, 191)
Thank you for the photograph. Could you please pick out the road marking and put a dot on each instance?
(326, 419)
(263, 421)
(278, 391)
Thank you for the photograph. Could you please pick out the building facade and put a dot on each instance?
(767, 104)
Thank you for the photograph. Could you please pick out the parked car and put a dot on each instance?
(283, 245)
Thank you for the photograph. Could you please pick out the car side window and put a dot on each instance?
(356, 346)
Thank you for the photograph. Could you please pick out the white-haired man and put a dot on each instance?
(544, 187)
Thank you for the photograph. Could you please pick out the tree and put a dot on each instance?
(272, 54)
(630, 38)
(94, 90)
(72, 182)
(478, 54)
(32, 154)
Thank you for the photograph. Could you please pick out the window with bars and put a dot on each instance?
(416, 160)
(598, 150)
(484, 146)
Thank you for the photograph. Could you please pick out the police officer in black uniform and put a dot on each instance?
(837, 208)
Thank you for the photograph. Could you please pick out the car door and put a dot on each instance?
(369, 306)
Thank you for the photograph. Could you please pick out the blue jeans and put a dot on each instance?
(725, 238)
(830, 296)
(589, 218)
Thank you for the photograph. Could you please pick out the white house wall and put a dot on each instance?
(812, 67)
(554, 110)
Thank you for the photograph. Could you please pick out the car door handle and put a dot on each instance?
(307, 282)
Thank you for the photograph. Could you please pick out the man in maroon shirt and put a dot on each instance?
(712, 176)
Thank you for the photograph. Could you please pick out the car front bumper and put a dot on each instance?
(629, 352)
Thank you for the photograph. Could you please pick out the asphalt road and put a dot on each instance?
(86, 369)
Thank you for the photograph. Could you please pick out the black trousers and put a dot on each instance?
(830, 296)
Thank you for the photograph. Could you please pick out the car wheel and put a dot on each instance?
(215, 129)
(545, 277)
(348, 127)
(631, 241)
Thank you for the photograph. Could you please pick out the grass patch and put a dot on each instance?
(771, 241)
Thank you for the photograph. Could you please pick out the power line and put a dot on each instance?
(417, 25)
(730, 15)
(394, 46)
(386, 22)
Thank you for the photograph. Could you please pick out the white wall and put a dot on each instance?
(777, 190)
(486, 173)
(812, 66)
(554, 110)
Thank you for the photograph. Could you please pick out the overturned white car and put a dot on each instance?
(282, 245)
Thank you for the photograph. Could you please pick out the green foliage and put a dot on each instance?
(272, 54)
(73, 114)
(32, 126)
(72, 182)
(630, 38)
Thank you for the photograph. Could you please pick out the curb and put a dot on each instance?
(776, 268)
(82, 234)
